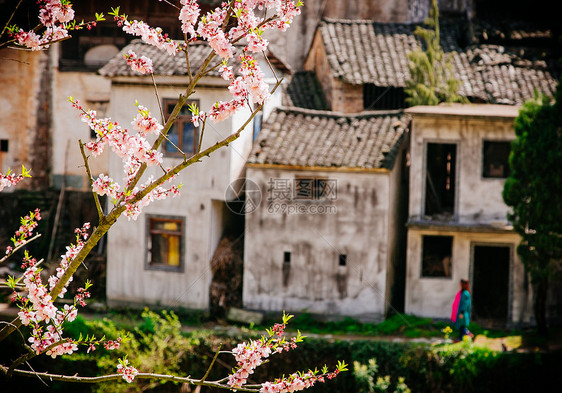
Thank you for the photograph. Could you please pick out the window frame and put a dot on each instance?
(168, 104)
(454, 184)
(422, 255)
(149, 265)
(506, 170)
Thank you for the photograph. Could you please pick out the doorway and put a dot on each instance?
(490, 285)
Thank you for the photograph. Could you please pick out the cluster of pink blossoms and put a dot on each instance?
(9, 180)
(68, 257)
(189, 14)
(25, 231)
(150, 35)
(53, 14)
(142, 65)
(38, 307)
(251, 355)
(127, 372)
(134, 150)
(211, 28)
(298, 381)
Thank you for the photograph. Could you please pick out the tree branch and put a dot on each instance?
(116, 377)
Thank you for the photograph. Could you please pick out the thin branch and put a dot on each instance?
(201, 136)
(117, 377)
(20, 246)
(96, 198)
(157, 97)
(10, 19)
(212, 363)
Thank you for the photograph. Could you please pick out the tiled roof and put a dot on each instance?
(361, 52)
(163, 64)
(309, 138)
(304, 91)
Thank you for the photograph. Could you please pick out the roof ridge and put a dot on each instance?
(367, 21)
(324, 113)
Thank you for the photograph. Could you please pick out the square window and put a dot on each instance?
(436, 256)
(496, 159)
(4, 145)
(183, 135)
(165, 243)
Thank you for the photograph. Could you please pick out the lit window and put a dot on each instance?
(496, 159)
(165, 243)
(436, 257)
(183, 135)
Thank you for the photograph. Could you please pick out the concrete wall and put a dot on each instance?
(478, 199)
(21, 74)
(314, 281)
(432, 296)
(201, 204)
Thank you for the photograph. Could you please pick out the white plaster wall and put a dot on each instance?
(129, 282)
(315, 283)
(200, 202)
(433, 296)
(67, 129)
(478, 199)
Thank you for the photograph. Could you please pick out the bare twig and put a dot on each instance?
(96, 198)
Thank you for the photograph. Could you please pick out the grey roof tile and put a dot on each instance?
(310, 138)
(361, 52)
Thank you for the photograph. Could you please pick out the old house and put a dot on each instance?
(164, 256)
(457, 226)
(360, 66)
(324, 235)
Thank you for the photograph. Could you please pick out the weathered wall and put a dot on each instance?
(432, 297)
(204, 186)
(21, 75)
(93, 92)
(478, 199)
(314, 281)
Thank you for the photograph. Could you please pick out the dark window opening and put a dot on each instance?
(376, 97)
(4, 145)
(496, 159)
(343, 260)
(287, 257)
(440, 179)
(165, 243)
(183, 135)
(436, 256)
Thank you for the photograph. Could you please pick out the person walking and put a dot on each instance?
(461, 310)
